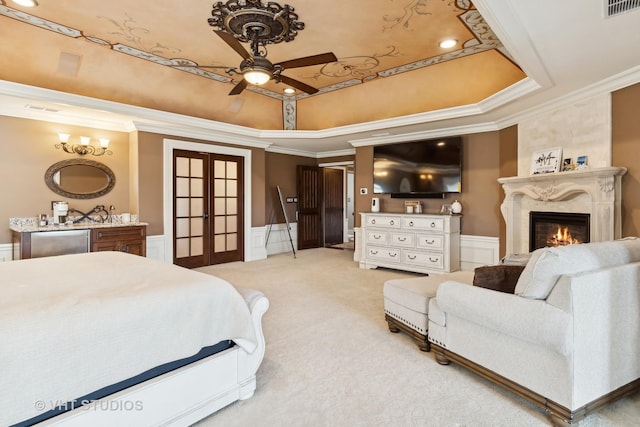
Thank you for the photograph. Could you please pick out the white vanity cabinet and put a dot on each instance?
(411, 242)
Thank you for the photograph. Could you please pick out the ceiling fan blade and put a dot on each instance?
(322, 58)
(239, 87)
(298, 84)
(234, 43)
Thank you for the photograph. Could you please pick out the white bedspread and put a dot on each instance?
(72, 324)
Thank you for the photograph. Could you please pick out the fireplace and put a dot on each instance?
(593, 191)
(549, 229)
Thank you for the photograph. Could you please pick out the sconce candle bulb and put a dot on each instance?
(84, 147)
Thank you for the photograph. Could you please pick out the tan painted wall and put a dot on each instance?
(281, 171)
(481, 193)
(27, 150)
(625, 137)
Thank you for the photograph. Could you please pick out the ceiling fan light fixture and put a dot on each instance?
(289, 90)
(257, 76)
(26, 3)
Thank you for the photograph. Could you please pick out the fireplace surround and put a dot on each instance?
(596, 192)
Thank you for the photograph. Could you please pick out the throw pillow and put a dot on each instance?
(502, 278)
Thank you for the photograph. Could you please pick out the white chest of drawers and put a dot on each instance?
(411, 242)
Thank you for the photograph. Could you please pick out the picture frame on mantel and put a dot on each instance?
(546, 161)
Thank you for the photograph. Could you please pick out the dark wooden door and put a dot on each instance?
(333, 206)
(208, 208)
(309, 189)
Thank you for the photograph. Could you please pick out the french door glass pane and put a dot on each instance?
(197, 168)
(182, 166)
(218, 187)
(219, 169)
(182, 207)
(182, 248)
(197, 187)
(182, 187)
(182, 227)
(197, 226)
(197, 248)
(232, 170)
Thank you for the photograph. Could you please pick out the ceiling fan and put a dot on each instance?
(251, 21)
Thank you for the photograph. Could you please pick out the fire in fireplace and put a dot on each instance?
(550, 229)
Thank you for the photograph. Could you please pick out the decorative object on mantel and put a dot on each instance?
(546, 161)
(84, 147)
(456, 207)
(581, 162)
(567, 165)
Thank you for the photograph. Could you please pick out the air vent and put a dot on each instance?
(616, 7)
(39, 108)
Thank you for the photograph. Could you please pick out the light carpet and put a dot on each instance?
(331, 361)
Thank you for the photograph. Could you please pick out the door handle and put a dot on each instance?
(206, 215)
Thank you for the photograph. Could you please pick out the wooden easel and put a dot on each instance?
(286, 220)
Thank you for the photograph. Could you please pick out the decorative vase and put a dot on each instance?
(456, 207)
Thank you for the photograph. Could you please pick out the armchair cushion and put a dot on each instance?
(502, 278)
(547, 264)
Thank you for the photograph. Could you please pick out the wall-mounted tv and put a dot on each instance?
(429, 168)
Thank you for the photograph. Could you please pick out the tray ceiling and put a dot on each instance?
(149, 54)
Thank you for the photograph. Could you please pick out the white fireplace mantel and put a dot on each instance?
(592, 191)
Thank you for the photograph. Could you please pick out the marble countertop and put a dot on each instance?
(29, 228)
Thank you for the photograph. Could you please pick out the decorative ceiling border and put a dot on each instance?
(483, 40)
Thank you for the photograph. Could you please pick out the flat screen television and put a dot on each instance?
(430, 168)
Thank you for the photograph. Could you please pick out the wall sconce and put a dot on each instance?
(84, 147)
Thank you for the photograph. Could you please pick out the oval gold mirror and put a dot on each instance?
(80, 179)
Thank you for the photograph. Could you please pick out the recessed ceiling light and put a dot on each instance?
(448, 43)
(289, 91)
(26, 3)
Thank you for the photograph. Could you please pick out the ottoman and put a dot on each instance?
(406, 303)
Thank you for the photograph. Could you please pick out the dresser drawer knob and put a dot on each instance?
(412, 257)
(433, 259)
(373, 221)
(393, 254)
(429, 242)
(377, 236)
(402, 239)
(391, 222)
(433, 224)
(410, 223)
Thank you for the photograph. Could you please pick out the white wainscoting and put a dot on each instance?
(155, 248)
(6, 252)
(476, 251)
(279, 241)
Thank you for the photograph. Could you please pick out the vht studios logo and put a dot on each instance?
(90, 405)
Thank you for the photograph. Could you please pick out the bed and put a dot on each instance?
(72, 325)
